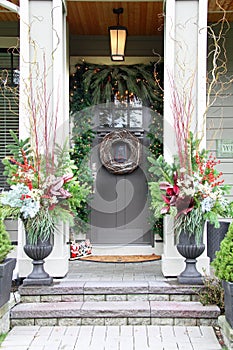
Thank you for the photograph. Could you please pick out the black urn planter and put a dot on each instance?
(228, 301)
(38, 252)
(6, 272)
(190, 250)
(215, 237)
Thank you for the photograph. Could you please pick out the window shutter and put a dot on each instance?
(9, 109)
(9, 120)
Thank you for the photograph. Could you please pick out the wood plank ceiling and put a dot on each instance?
(142, 18)
(94, 18)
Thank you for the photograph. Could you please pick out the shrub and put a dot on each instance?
(223, 263)
(212, 293)
(5, 243)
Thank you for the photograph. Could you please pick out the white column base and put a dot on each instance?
(56, 264)
(172, 262)
(56, 267)
(173, 266)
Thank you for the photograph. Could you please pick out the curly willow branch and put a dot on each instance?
(217, 84)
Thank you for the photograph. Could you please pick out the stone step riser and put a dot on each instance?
(114, 321)
(112, 303)
(115, 312)
(106, 297)
(109, 291)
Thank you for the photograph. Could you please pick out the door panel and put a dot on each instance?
(119, 208)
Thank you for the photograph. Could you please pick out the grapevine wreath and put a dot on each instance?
(129, 152)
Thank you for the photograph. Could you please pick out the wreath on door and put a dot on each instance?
(120, 152)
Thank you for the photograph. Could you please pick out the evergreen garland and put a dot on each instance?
(155, 135)
(104, 81)
(92, 84)
(82, 137)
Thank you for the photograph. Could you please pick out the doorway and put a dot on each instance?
(119, 209)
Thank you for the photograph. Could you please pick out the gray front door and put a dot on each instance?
(119, 208)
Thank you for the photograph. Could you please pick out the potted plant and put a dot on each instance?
(43, 193)
(192, 191)
(7, 265)
(223, 269)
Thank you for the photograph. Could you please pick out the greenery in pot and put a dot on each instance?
(43, 189)
(223, 263)
(223, 269)
(190, 189)
(5, 243)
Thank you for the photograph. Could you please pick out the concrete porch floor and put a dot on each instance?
(98, 271)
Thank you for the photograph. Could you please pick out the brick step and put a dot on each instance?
(114, 313)
(109, 291)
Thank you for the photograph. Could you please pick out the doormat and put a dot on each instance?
(120, 258)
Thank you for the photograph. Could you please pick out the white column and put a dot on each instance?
(43, 44)
(185, 62)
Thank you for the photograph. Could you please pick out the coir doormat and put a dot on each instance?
(121, 258)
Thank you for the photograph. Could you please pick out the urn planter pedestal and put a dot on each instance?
(190, 250)
(38, 252)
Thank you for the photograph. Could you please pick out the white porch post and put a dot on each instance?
(185, 59)
(43, 45)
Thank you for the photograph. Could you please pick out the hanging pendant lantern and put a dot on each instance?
(117, 36)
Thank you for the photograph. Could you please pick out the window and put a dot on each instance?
(126, 114)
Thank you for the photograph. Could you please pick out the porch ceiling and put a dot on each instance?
(142, 18)
(93, 18)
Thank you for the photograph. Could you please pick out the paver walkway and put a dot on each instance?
(111, 338)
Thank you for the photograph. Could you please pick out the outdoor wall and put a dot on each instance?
(6, 42)
(220, 117)
(9, 29)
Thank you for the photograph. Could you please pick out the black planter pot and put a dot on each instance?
(38, 252)
(190, 250)
(6, 272)
(215, 237)
(228, 301)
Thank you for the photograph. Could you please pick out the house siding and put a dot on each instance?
(219, 123)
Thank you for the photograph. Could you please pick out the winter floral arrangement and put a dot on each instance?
(190, 186)
(190, 189)
(43, 190)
